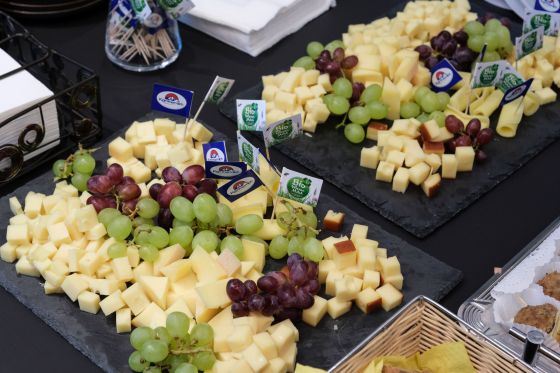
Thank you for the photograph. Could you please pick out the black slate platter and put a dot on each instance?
(95, 335)
(328, 154)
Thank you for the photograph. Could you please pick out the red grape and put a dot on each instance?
(332, 67)
(312, 270)
(267, 284)
(485, 136)
(445, 35)
(288, 313)
(208, 186)
(357, 89)
(128, 192)
(115, 173)
(293, 259)
(313, 286)
(480, 155)
(449, 47)
(461, 37)
(128, 207)
(463, 140)
(256, 302)
(154, 190)
(451, 145)
(165, 218)
(298, 273)
(99, 184)
(349, 62)
(424, 51)
(236, 290)
(304, 300)
(453, 124)
(101, 202)
(326, 55)
(239, 309)
(127, 180)
(431, 62)
(251, 287)
(168, 192)
(190, 192)
(287, 295)
(193, 174)
(338, 55)
(473, 127)
(279, 276)
(506, 22)
(170, 174)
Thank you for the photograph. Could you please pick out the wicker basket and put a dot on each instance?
(423, 324)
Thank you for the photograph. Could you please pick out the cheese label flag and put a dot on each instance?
(514, 93)
(550, 6)
(283, 130)
(534, 19)
(172, 100)
(444, 76)
(215, 151)
(486, 74)
(251, 115)
(529, 43)
(248, 153)
(224, 170)
(299, 187)
(510, 78)
(240, 186)
(219, 90)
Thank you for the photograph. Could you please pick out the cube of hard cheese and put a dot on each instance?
(145, 133)
(156, 289)
(73, 285)
(15, 206)
(310, 77)
(429, 130)
(465, 158)
(25, 267)
(385, 171)
(199, 132)
(206, 268)
(152, 317)
(135, 298)
(448, 166)
(401, 180)
(120, 149)
(390, 296)
(112, 303)
(266, 344)
(8, 252)
(346, 289)
(332, 277)
(333, 221)
(318, 90)
(240, 338)
(545, 96)
(229, 262)
(313, 315)
(434, 161)
(33, 204)
(359, 231)
(372, 279)
(255, 358)
(303, 94)
(369, 157)
(366, 257)
(325, 267)
(285, 101)
(345, 254)
(325, 81)
(283, 336)
(419, 173)
(19, 234)
(123, 320)
(368, 300)
(214, 294)
(431, 185)
(268, 93)
(337, 307)
(89, 302)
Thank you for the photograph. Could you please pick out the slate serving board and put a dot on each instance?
(332, 157)
(95, 335)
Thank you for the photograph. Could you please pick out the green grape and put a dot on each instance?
(107, 215)
(205, 208)
(158, 237)
(120, 228)
(58, 168)
(162, 334)
(148, 253)
(138, 221)
(443, 99)
(233, 244)
(333, 45)
(284, 220)
(371, 93)
(225, 215)
(420, 93)
(359, 115)
(313, 249)
(491, 56)
(493, 25)
(328, 98)
(430, 102)
(278, 247)
(338, 105)
(354, 133)
(174, 361)
(181, 235)
(314, 49)
(148, 208)
(153, 369)
(308, 218)
(248, 237)
(476, 43)
(306, 62)
(492, 41)
(180, 223)
(142, 238)
(177, 324)
(185, 368)
(208, 240)
(296, 246)
(182, 208)
(79, 180)
(202, 334)
(474, 28)
(410, 110)
(439, 117)
(504, 36)
(204, 360)
(140, 335)
(83, 163)
(423, 118)
(117, 250)
(507, 49)
(377, 110)
(342, 87)
(248, 224)
(136, 362)
(154, 350)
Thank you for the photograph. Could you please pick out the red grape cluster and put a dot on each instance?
(471, 135)
(113, 189)
(445, 45)
(189, 184)
(335, 64)
(284, 294)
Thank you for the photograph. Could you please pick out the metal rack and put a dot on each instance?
(76, 94)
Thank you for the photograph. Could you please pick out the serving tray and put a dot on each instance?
(323, 346)
(328, 154)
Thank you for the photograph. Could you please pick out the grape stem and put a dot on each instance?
(189, 351)
(342, 123)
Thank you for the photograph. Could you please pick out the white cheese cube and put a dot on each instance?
(369, 157)
(8, 252)
(120, 149)
(419, 173)
(123, 320)
(266, 344)
(17, 234)
(135, 298)
(73, 285)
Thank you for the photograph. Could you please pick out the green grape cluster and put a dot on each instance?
(427, 105)
(173, 348)
(300, 237)
(78, 167)
(494, 34)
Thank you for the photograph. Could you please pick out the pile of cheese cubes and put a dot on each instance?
(356, 269)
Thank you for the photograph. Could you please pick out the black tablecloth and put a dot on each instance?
(485, 235)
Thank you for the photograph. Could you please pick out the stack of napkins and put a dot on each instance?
(253, 25)
(18, 92)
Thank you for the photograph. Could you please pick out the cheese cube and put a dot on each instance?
(145, 133)
(319, 112)
(164, 126)
(390, 297)
(325, 81)
(369, 157)
(449, 166)
(156, 288)
(310, 124)
(8, 252)
(152, 317)
(255, 358)
(112, 303)
(372, 279)
(122, 269)
(103, 286)
(414, 157)
(73, 285)
(465, 158)
(359, 231)
(229, 262)
(206, 268)
(96, 232)
(429, 130)
(15, 206)
(285, 101)
(431, 185)
(366, 257)
(434, 161)
(385, 171)
(25, 267)
(396, 280)
(214, 294)
(135, 298)
(394, 143)
(33, 204)
(318, 90)
(268, 93)
(199, 132)
(283, 336)
(346, 289)
(332, 277)
(337, 307)
(89, 263)
(120, 149)
(419, 173)
(395, 157)
(303, 94)
(291, 80)
(310, 77)
(19, 234)
(333, 221)
(123, 320)
(266, 344)
(254, 252)
(240, 338)
(344, 254)
(313, 315)
(401, 180)
(368, 300)
(89, 302)
(289, 357)
(176, 270)
(268, 80)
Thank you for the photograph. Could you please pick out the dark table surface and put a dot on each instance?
(485, 235)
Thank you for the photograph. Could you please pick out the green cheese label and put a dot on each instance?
(251, 115)
(509, 81)
(299, 187)
(487, 74)
(529, 43)
(219, 89)
(248, 153)
(283, 130)
(533, 19)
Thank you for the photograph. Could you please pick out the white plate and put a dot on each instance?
(518, 6)
(499, 3)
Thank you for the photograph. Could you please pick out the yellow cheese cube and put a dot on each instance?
(89, 263)
(401, 179)
(325, 81)
(89, 302)
(289, 357)
(73, 285)
(240, 338)
(123, 320)
(266, 344)
(206, 268)
(177, 269)
(135, 298)
(120, 149)
(268, 93)
(310, 77)
(156, 288)
(346, 289)
(19, 234)
(33, 204)
(164, 126)
(303, 94)
(366, 257)
(25, 267)
(285, 101)
(283, 336)
(199, 132)
(268, 80)
(368, 300)
(369, 157)
(385, 171)
(390, 297)
(310, 124)
(325, 267)
(406, 90)
(319, 112)
(313, 315)
(332, 277)
(545, 96)
(395, 157)
(255, 358)
(362, 75)
(229, 262)
(152, 317)
(337, 307)
(372, 279)
(319, 91)
(448, 166)
(122, 269)
(254, 252)
(419, 173)
(112, 303)
(214, 294)
(8, 252)
(391, 98)
(15, 206)
(465, 158)
(145, 133)
(434, 161)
